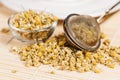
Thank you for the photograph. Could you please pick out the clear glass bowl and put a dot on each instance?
(31, 36)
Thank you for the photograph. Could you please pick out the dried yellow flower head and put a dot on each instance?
(102, 36)
(56, 52)
(14, 71)
(33, 20)
(52, 72)
(5, 30)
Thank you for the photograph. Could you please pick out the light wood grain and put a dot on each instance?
(10, 61)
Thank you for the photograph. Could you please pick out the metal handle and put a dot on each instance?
(107, 11)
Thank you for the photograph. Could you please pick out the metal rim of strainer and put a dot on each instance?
(72, 40)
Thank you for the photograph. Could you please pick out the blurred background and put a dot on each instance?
(62, 8)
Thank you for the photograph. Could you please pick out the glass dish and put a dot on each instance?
(31, 36)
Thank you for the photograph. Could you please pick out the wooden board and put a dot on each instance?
(10, 61)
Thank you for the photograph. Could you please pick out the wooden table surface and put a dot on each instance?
(10, 61)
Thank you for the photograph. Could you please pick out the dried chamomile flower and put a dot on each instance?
(102, 35)
(52, 72)
(106, 42)
(96, 70)
(5, 30)
(55, 52)
(33, 20)
(14, 71)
